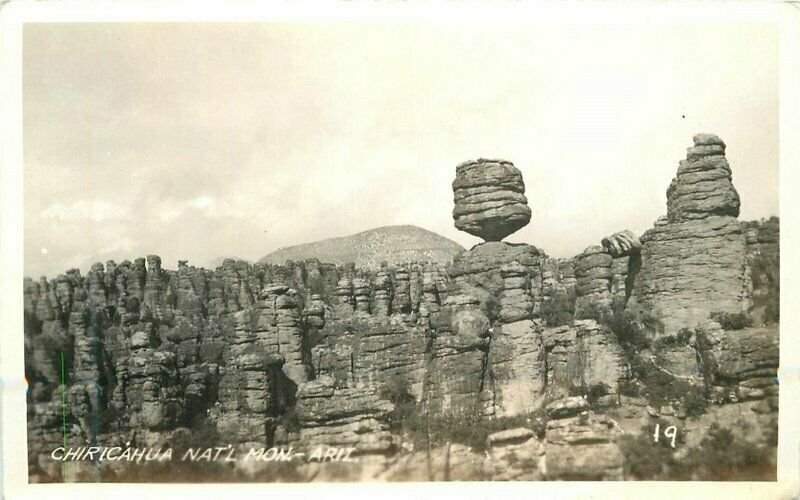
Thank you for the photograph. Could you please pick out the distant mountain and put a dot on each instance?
(393, 244)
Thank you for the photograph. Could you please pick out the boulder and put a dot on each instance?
(622, 244)
(489, 198)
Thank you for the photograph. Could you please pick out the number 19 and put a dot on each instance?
(670, 432)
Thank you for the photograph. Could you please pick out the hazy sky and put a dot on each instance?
(200, 141)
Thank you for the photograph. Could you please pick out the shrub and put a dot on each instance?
(694, 401)
(661, 388)
(597, 391)
(772, 305)
(289, 420)
(397, 391)
(681, 339)
(724, 456)
(491, 307)
(732, 321)
(632, 327)
(629, 387)
(470, 428)
(644, 458)
(720, 456)
(559, 310)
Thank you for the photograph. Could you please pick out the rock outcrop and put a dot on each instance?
(517, 366)
(693, 260)
(740, 365)
(593, 283)
(489, 198)
(344, 417)
(456, 374)
(581, 445)
(516, 455)
(622, 244)
(703, 185)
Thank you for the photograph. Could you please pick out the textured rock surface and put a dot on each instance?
(489, 198)
(693, 260)
(703, 185)
(346, 417)
(455, 378)
(763, 265)
(505, 278)
(517, 367)
(743, 362)
(582, 447)
(593, 282)
(516, 455)
(145, 351)
(622, 244)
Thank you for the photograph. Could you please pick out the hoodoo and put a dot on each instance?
(693, 260)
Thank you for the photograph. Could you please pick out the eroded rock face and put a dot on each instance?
(489, 198)
(743, 362)
(373, 350)
(457, 369)
(517, 367)
(505, 278)
(693, 260)
(579, 357)
(516, 455)
(344, 416)
(582, 447)
(593, 282)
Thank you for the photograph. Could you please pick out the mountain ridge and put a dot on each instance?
(397, 244)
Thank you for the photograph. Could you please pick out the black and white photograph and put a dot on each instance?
(421, 249)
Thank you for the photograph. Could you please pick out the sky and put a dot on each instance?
(203, 141)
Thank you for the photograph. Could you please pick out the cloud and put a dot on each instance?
(123, 244)
(204, 205)
(85, 211)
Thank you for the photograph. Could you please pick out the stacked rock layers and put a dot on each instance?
(489, 198)
(693, 260)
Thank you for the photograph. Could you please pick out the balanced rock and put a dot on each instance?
(489, 198)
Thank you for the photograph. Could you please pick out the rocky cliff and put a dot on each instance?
(501, 363)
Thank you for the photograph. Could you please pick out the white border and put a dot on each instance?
(13, 14)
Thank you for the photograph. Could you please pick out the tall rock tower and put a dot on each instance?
(503, 281)
(693, 260)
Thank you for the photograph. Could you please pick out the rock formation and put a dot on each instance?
(501, 364)
(580, 445)
(740, 367)
(593, 282)
(489, 199)
(693, 260)
(622, 244)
